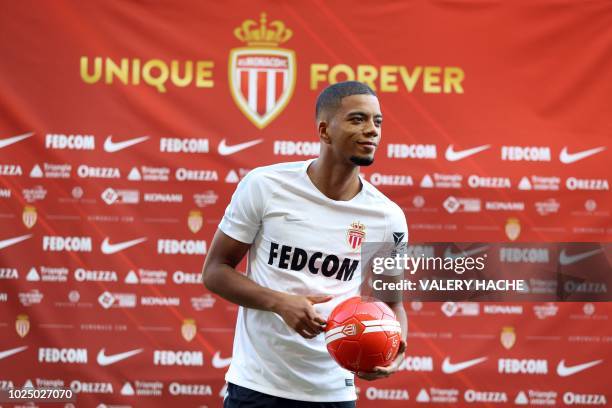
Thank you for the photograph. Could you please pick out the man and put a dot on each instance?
(301, 224)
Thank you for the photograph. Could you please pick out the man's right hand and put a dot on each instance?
(299, 313)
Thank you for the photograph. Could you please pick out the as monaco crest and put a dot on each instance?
(22, 325)
(261, 75)
(513, 228)
(507, 337)
(195, 220)
(188, 329)
(29, 216)
(355, 235)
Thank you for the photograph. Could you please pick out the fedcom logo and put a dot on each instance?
(178, 358)
(62, 355)
(530, 153)
(417, 363)
(176, 145)
(71, 142)
(183, 247)
(522, 366)
(53, 243)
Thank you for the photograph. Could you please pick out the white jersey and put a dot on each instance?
(302, 243)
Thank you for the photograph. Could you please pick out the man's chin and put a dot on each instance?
(362, 161)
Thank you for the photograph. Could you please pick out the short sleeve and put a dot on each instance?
(243, 215)
(397, 236)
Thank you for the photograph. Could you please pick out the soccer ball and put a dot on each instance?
(362, 334)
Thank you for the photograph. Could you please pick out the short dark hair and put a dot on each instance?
(331, 97)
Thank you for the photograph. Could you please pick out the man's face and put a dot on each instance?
(355, 129)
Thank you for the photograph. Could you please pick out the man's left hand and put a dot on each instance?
(384, 372)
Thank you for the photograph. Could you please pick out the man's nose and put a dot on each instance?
(371, 129)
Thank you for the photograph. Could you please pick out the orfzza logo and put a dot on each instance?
(262, 75)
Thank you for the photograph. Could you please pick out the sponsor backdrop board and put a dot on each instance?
(126, 126)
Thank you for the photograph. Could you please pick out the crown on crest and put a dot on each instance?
(270, 34)
(356, 226)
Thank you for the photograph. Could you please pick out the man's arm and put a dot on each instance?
(221, 277)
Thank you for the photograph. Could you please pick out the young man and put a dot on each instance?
(303, 224)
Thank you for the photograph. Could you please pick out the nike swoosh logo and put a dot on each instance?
(113, 147)
(219, 362)
(450, 368)
(568, 158)
(448, 253)
(105, 360)
(108, 248)
(12, 241)
(565, 259)
(7, 353)
(225, 150)
(10, 140)
(452, 155)
(564, 371)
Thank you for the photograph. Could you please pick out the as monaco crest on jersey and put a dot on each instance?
(22, 325)
(355, 235)
(261, 75)
(29, 216)
(188, 329)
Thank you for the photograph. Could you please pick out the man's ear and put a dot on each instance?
(322, 126)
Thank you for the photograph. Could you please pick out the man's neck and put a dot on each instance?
(337, 181)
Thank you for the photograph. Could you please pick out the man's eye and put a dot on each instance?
(378, 123)
(356, 120)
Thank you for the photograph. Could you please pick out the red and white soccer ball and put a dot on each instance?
(362, 334)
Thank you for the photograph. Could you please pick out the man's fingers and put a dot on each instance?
(319, 299)
(304, 331)
(318, 319)
(386, 371)
(313, 326)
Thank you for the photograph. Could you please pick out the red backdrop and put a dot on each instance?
(125, 126)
